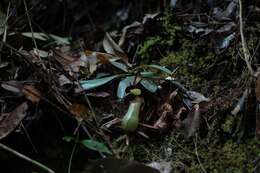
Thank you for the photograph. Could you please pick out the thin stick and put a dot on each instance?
(5, 30)
(245, 50)
(197, 154)
(36, 163)
(72, 152)
(33, 38)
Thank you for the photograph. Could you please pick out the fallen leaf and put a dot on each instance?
(192, 122)
(13, 86)
(12, 120)
(240, 104)
(63, 80)
(31, 93)
(112, 48)
(197, 97)
(80, 111)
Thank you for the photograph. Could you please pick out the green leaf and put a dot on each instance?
(36, 35)
(161, 68)
(44, 37)
(60, 40)
(119, 65)
(148, 74)
(95, 145)
(126, 82)
(68, 138)
(149, 85)
(94, 83)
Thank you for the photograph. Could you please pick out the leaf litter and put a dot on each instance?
(113, 95)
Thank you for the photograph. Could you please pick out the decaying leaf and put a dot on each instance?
(112, 48)
(9, 122)
(192, 122)
(239, 106)
(197, 97)
(224, 43)
(13, 86)
(136, 26)
(80, 111)
(63, 80)
(31, 93)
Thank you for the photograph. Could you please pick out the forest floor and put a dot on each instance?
(173, 83)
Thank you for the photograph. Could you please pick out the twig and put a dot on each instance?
(245, 50)
(33, 38)
(36, 163)
(5, 30)
(197, 155)
(72, 152)
(29, 138)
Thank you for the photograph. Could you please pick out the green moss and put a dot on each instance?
(146, 49)
(218, 150)
(228, 125)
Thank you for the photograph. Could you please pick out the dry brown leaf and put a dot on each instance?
(80, 111)
(12, 120)
(31, 93)
(111, 47)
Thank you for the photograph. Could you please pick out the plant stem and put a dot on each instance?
(36, 163)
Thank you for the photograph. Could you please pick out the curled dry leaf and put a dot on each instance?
(197, 97)
(12, 120)
(112, 48)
